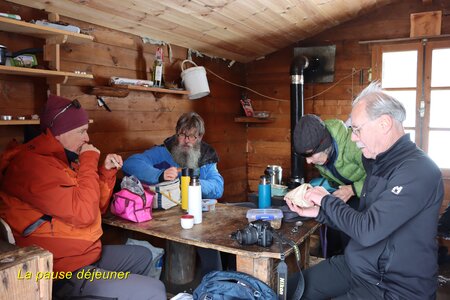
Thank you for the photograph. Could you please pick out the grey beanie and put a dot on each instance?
(311, 134)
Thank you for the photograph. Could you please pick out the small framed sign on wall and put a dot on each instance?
(426, 23)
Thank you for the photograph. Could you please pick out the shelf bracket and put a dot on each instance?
(55, 88)
(58, 79)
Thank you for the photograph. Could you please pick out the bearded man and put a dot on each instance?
(185, 149)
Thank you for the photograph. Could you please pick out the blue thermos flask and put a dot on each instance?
(264, 193)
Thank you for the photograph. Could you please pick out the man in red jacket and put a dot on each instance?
(52, 194)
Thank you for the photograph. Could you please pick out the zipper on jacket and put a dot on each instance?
(381, 279)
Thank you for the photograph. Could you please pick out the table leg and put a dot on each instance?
(261, 268)
(180, 263)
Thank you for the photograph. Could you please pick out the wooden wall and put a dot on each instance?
(270, 143)
(142, 119)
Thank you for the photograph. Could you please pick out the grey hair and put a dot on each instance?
(190, 120)
(379, 103)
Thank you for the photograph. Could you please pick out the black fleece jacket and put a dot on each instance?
(393, 234)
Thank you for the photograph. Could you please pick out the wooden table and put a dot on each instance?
(214, 233)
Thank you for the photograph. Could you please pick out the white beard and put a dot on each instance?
(186, 159)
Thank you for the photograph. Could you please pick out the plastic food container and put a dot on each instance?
(209, 204)
(273, 215)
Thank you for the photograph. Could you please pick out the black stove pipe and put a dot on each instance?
(297, 110)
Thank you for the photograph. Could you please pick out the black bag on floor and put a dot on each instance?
(227, 285)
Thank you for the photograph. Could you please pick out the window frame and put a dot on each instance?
(423, 87)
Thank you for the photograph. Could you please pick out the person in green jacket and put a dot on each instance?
(328, 145)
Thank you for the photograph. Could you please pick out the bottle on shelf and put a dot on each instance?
(158, 68)
(195, 199)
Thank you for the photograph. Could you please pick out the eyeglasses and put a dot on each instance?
(314, 151)
(191, 138)
(357, 130)
(74, 103)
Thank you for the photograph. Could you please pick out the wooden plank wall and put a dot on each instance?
(140, 120)
(270, 143)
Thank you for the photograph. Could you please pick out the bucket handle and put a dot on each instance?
(187, 60)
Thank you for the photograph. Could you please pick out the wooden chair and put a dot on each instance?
(6, 232)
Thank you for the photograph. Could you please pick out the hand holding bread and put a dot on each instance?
(297, 196)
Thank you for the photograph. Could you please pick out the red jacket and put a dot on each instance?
(36, 179)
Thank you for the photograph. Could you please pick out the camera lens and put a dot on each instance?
(247, 236)
(257, 232)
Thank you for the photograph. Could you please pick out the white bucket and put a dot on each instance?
(195, 80)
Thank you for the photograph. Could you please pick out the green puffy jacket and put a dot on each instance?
(348, 162)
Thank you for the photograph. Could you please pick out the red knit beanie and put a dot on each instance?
(63, 116)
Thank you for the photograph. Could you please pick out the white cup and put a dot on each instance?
(187, 221)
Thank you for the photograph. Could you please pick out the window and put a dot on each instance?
(417, 73)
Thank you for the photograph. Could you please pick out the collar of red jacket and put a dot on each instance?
(44, 144)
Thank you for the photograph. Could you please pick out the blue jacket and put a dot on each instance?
(393, 235)
(149, 166)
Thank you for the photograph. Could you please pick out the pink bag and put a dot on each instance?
(131, 206)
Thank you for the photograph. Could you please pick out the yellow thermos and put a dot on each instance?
(185, 179)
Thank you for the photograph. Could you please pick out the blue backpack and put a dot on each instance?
(225, 285)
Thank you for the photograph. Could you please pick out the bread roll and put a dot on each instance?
(297, 195)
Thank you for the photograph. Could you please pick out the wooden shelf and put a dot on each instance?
(48, 33)
(41, 73)
(152, 89)
(26, 122)
(20, 122)
(253, 120)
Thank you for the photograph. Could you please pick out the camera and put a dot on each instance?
(257, 232)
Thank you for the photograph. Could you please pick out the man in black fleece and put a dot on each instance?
(392, 253)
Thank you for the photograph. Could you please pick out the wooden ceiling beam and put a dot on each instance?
(240, 30)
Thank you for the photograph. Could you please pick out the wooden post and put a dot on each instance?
(261, 268)
(180, 263)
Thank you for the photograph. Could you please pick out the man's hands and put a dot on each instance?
(315, 196)
(88, 147)
(113, 161)
(311, 212)
(344, 192)
(170, 174)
